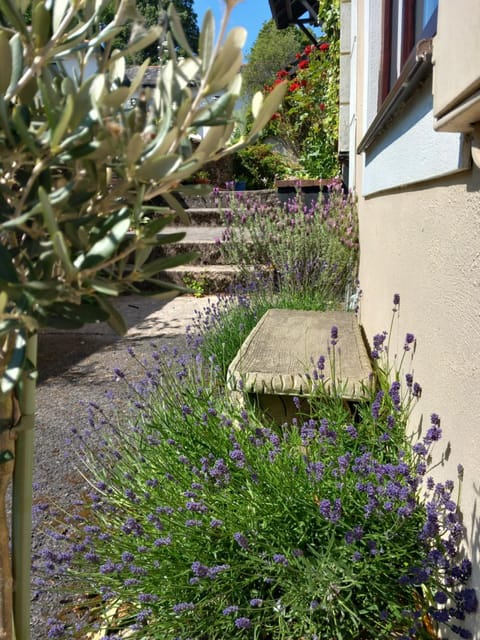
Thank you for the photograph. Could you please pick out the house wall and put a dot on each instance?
(421, 239)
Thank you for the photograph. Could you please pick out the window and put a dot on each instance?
(405, 22)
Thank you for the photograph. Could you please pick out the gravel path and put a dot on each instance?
(75, 368)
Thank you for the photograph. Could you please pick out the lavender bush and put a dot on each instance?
(305, 248)
(204, 522)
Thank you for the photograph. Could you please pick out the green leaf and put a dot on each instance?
(41, 23)
(16, 47)
(105, 247)
(141, 43)
(270, 105)
(6, 66)
(177, 30)
(217, 112)
(157, 167)
(67, 315)
(63, 123)
(134, 148)
(229, 60)
(206, 40)
(10, 11)
(13, 369)
(60, 8)
(7, 270)
(49, 98)
(172, 202)
(168, 262)
(105, 288)
(5, 122)
(156, 225)
(3, 302)
(114, 318)
(115, 99)
(137, 81)
(21, 120)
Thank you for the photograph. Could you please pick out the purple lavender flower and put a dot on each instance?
(241, 540)
(377, 405)
(230, 609)
(219, 568)
(352, 432)
(325, 508)
(214, 523)
(396, 299)
(147, 597)
(256, 602)
(394, 393)
(199, 569)
(334, 335)
(197, 507)
(238, 456)
(279, 558)
(180, 607)
(315, 470)
(243, 623)
(409, 338)
(56, 629)
(193, 523)
(143, 616)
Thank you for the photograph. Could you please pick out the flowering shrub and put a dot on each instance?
(205, 522)
(304, 249)
(308, 117)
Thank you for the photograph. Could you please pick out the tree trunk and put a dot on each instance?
(22, 494)
(7, 463)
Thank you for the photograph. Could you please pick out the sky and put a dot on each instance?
(250, 14)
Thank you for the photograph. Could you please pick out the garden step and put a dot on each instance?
(203, 279)
(204, 216)
(221, 198)
(205, 241)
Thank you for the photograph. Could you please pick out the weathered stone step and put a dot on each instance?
(204, 216)
(205, 241)
(223, 198)
(203, 279)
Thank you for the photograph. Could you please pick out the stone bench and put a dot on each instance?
(274, 363)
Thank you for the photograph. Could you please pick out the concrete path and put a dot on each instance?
(76, 367)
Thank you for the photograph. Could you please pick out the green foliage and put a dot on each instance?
(303, 249)
(260, 165)
(308, 120)
(272, 50)
(153, 13)
(206, 522)
(81, 167)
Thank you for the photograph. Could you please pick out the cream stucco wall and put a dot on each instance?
(425, 245)
(423, 242)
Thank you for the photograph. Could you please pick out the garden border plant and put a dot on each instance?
(205, 522)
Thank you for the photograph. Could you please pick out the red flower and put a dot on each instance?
(294, 86)
(324, 46)
(322, 106)
(275, 116)
(282, 73)
(308, 49)
(303, 64)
